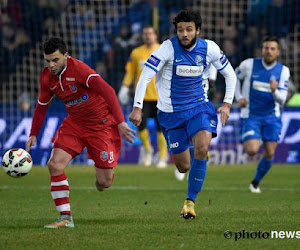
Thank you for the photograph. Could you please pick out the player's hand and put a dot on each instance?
(30, 142)
(136, 116)
(224, 111)
(243, 102)
(123, 95)
(273, 84)
(126, 132)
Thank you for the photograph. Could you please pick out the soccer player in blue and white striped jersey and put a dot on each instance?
(264, 90)
(186, 116)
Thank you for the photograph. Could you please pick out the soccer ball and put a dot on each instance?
(17, 162)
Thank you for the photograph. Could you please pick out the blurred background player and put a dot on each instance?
(264, 90)
(184, 111)
(95, 121)
(208, 81)
(134, 67)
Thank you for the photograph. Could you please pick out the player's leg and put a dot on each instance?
(200, 128)
(66, 146)
(271, 128)
(104, 178)
(143, 134)
(161, 142)
(251, 135)
(104, 148)
(252, 146)
(60, 187)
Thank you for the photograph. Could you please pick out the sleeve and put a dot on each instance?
(281, 92)
(221, 63)
(45, 95)
(241, 73)
(40, 111)
(238, 92)
(38, 119)
(160, 56)
(130, 70)
(154, 63)
(84, 73)
(146, 76)
(102, 88)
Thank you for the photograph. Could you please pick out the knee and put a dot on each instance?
(269, 155)
(103, 184)
(183, 168)
(201, 152)
(251, 151)
(54, 166)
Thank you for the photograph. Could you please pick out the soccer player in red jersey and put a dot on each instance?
(95, 120)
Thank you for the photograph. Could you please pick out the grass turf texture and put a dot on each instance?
(141, 210)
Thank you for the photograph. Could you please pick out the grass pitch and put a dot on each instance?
(141, 210)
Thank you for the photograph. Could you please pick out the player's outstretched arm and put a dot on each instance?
(126, 132)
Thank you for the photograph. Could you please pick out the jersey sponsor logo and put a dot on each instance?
(78, 100)
(103, 155)
(174, 145)
(199, 60)
(185, 70)
(153, 60)
(262, 86)
(70, 79)
(73, 88)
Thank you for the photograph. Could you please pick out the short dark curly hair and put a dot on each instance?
(188, 16)
(53, 44)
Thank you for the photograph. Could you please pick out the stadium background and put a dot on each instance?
(103, 33)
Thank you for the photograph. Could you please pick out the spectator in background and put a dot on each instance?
(89, 41)
(122, 46)
(139, 14)
(25, 102)
(14, 45)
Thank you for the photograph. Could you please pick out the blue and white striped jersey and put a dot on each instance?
(256, 76)
(180, 73)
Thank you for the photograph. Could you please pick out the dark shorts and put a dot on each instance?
(103, 146)
(149, 110)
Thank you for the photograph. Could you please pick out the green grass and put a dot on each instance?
(141, 210)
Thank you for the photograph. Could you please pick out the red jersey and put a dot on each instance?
(84, 106)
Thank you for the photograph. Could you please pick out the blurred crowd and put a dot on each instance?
(105, 32)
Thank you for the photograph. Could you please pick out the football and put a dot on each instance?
(17, 162)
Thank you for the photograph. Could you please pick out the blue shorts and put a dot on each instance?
(180, 127)
(267, 128)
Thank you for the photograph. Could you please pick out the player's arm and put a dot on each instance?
(221, 63)
(102, 88)
(39, 114)
(241, 72)
(280, 90)
(154, 63)
(130, 68)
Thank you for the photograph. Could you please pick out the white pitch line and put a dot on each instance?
(145, 188)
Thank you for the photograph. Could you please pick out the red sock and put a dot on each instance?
(60, 193)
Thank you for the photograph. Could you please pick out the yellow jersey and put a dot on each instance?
(134, 67)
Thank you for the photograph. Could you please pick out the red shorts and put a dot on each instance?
(103, 146)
